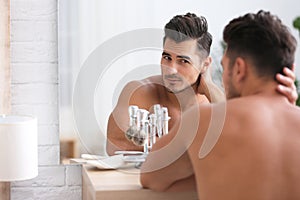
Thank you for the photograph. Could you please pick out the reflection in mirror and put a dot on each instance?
(85, 27)
(81, 32)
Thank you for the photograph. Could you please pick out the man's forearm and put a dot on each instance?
(187, 184)
(113, 145)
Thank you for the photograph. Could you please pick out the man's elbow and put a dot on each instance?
(147, 181)
(110, 147)
(109, 150)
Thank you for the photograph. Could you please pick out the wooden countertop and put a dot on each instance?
(122, 184)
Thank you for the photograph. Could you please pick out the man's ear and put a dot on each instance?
(240, 69)
(206, 64)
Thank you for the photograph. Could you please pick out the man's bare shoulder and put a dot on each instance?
(144, 90)
(256, 114)
(255, 104)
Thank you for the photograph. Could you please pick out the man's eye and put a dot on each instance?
(184, 61)
(167, 57)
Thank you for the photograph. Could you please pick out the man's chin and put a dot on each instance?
(176, 90)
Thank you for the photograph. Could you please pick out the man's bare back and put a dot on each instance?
(256, 155)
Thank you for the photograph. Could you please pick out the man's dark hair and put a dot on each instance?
(189, 26)
(263, 39)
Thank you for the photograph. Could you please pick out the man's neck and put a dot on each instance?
(260, 87)
(183, 98)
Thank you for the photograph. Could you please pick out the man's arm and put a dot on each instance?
(168, 166)
(287, 86)
(116, 139)
(210, 89)
(163, 171)
(134, 93)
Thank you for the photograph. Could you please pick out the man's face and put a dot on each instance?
(180, 64)
(230, 89)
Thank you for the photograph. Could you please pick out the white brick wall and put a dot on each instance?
(34, 10)
(49, 193)
(35, 73)
(34, 88)
(54, 183)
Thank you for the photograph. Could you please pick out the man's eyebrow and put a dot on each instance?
(184, 57)
(165, 53)
(180, 56)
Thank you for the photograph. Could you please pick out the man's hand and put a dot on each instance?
(287, 86)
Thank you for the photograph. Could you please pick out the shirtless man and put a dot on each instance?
(247, 147)
(185, 80)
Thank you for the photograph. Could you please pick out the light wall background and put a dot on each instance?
(84, 25)
(34, 91)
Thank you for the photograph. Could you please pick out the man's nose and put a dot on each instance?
(171, 68)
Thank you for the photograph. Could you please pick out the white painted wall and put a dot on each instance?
(34, 88)
(101, 20)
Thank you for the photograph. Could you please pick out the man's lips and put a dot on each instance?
(173, 80)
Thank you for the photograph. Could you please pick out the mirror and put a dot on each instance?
(92, 31)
